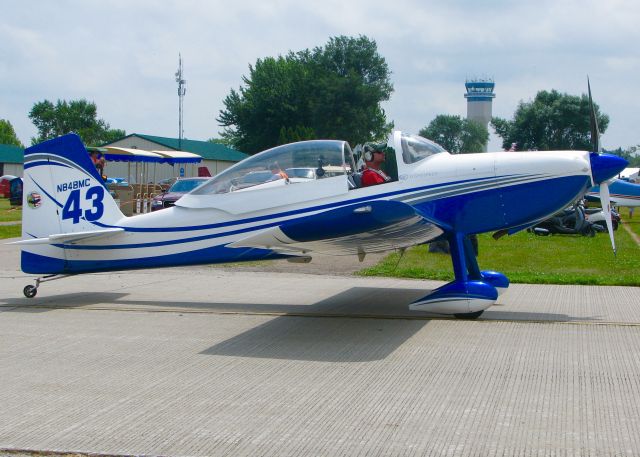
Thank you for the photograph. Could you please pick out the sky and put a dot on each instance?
(123, 55)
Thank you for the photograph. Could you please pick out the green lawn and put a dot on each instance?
(633, 224)
(527, 258)
(7, 213)
(10, 231)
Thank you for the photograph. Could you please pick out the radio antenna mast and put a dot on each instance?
(182, 89)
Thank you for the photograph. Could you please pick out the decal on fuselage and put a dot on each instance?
(34, 200)
(78, 184)
(72, 208)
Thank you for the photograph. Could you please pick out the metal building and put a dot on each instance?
(11, 160)
(216, 157)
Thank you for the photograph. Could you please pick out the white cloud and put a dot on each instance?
(123, 54)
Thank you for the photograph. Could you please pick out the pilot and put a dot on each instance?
(277, 173)
(374, 157)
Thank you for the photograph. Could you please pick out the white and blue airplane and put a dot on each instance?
(622, 193)
(72, 225)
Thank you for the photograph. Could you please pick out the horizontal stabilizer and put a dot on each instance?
(73, 237)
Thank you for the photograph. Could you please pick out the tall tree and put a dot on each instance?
(455, 134)
(551, 121)
(79, 116)
(631, 154)
(8, 135)
(333, 91)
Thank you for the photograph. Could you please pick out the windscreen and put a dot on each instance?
(416, 148)
(306, 160)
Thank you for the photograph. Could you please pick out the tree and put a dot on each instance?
(455, 134)
(8, 135)
(631, 154)
(333, 91)
(219, 141)
(552, 121)
(299, 133)
(79, 116)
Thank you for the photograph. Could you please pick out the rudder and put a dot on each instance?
(63, 193)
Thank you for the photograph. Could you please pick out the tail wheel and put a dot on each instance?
(30, 291)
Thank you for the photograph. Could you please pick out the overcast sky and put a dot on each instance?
(122, 55)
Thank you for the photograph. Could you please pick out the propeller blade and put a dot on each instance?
(595, 131)
(606, 207)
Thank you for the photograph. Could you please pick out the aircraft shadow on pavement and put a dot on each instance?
(320, 339)
(346, 339)
(330, 339)
(355, 301)
(50, 302)
(531, 316)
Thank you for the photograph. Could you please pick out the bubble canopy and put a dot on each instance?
(320, 158)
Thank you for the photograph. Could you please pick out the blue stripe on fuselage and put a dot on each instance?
(290, 213)
(38, 163)
(39, 264)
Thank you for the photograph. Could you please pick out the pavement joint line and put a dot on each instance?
(38, 452)
(323, 315)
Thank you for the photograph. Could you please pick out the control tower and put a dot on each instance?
(479, 99)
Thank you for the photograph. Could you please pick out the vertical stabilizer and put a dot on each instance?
(63, 193)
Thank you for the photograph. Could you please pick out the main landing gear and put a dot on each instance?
(471, 292)
(31, 291)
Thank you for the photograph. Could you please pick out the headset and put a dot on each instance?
(368, 152)
(369, 148)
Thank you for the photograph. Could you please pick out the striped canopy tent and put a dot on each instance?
(173, 157)
(137, 156)
(178, 157)
(143, 158)
(117, 154)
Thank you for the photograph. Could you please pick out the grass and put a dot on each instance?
(527, 258)
(7, 213)
(10, 231)
(633, 224)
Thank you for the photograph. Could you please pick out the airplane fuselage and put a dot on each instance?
(470, 193)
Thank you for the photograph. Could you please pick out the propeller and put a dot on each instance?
(605, 197)
(605, 201)
(595, 131)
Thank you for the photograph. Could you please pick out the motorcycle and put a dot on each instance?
(569, 221)
(596, 217)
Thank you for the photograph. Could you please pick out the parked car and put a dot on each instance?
(5, 189)
(166, 183)
(178, 189)
(15, 186)
(307, 173)
(251, 179)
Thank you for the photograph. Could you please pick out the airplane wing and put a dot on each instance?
(375, 226)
